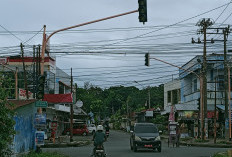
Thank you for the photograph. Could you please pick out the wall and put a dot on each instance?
(63, 77)
(169, 86)
(24, 138)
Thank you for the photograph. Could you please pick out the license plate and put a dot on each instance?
(148, 145)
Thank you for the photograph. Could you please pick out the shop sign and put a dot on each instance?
(188, 114)
(41, 104)
(39, 138)
(149, 114)
(3, 60)
(40, 121)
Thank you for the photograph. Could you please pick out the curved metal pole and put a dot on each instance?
(87, 23)
(45, 40)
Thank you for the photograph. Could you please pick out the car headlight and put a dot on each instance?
(157, 138)
(137, 138)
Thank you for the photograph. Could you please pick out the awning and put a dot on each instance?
(58, 98)
(222, 107)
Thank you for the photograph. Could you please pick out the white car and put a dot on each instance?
(92, 128)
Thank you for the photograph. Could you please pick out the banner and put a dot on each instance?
(23, 95)
(39, 138)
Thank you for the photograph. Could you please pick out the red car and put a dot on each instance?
(77, 130)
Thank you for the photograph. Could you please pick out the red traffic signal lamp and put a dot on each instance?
(147, 59)
(142, 11)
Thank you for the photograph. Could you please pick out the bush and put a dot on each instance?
(6, 117)
(223, 154)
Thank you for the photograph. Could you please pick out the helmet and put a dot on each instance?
(99, 128)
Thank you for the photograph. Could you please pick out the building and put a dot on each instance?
(184, 94)
(190, 88)
(172, 93)
(24, 139)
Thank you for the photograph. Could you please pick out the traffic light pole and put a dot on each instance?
(45, 39)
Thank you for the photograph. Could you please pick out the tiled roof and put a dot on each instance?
(20, 103)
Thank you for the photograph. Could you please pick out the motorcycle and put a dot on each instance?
(99, 151)
(107, 134)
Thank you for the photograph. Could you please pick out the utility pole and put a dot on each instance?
(215, 112)
(34, 76)
(225, 83)
(16, 84)
(225, 32)
(149, 97)
(71, 112)
(204, 24)
(24, 71)
(229, 97)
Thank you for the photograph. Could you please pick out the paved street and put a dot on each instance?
(118, 146)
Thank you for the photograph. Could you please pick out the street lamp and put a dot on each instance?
(149, 93)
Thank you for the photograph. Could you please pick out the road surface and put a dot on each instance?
(118, 146)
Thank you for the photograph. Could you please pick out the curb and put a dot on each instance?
(206, 145)
(63, 145)
(202, 144)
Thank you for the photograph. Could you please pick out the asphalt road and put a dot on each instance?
(118, 146)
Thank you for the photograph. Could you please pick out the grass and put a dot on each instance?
(224, 154)
(201, 141)
(46, 154)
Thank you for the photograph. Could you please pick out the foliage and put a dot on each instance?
(6, 117)
(47, 154)
(120, 99)
(223, 154)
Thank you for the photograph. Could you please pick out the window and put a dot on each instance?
(61, 88)
(195, 85)
(169, 96)
(211, 75)
(220, 82)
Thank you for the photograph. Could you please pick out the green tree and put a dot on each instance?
(6, 117)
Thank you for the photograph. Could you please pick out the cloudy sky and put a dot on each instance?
(112, 52)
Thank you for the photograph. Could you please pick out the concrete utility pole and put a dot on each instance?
(71, 112)
(204, 24)
(24, 71)
(225, 32)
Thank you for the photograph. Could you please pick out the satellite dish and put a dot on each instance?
(79, 103)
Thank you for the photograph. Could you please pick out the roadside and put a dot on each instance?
(64, 141)
(46, 154)
(189, 141)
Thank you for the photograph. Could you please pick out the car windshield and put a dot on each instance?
(146, 129)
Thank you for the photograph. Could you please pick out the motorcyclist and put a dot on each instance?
(99, 137)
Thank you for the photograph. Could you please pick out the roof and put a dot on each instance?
(20, 103)
(184, 107)
(180, 107)
(222, 107)
(58, 98)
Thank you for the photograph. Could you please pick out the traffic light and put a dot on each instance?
(198, 104)
(147, 59)
(142, 11)
(40, 88)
